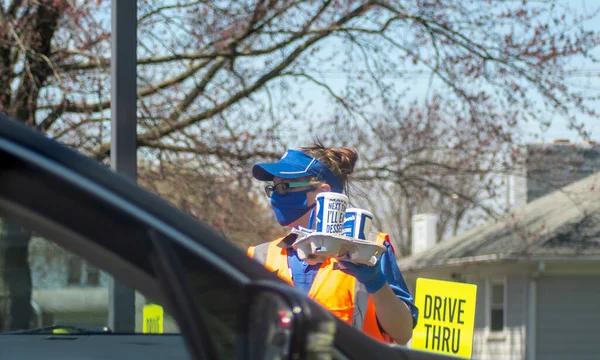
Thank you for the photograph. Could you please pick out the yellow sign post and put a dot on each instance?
(153, 319)
(446, 317)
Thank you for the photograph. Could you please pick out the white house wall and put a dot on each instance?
(510, 345)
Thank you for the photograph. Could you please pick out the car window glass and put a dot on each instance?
(60, 287)
(64, 289)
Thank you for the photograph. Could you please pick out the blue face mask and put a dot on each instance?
(290, 207)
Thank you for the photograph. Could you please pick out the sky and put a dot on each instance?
(586, 79)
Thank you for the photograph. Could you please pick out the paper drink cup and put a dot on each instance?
(357, 223)
(330, 212)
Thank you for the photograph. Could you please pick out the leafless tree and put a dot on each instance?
(220, 82)
(418, 161)
(225, 203)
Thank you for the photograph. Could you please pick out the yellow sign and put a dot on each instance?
(446, 317)
(153, 319)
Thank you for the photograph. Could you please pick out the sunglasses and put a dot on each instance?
(282, 188)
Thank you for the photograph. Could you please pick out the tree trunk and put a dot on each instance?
(15, 278)
(15, 273)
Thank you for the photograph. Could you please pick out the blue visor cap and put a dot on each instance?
(296, 164)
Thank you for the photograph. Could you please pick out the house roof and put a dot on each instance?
(562, 224)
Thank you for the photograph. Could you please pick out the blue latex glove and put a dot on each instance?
(370, 276)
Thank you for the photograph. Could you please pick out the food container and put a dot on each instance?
(357, 223)
(329, 213)
(316, 247)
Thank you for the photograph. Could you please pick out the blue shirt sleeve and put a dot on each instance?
(303, 274)
(394, 277)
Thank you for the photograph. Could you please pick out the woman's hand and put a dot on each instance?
(370, 276)
(393, 313)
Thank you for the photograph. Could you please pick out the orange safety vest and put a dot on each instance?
(337, 291)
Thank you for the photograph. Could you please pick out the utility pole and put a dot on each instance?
(123, 158)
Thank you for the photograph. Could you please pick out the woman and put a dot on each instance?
(374, 299)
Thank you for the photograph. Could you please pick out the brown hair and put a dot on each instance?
(340, 160)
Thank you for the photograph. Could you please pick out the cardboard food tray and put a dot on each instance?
(316, 247)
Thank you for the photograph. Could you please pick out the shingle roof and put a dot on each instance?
(565, 223)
